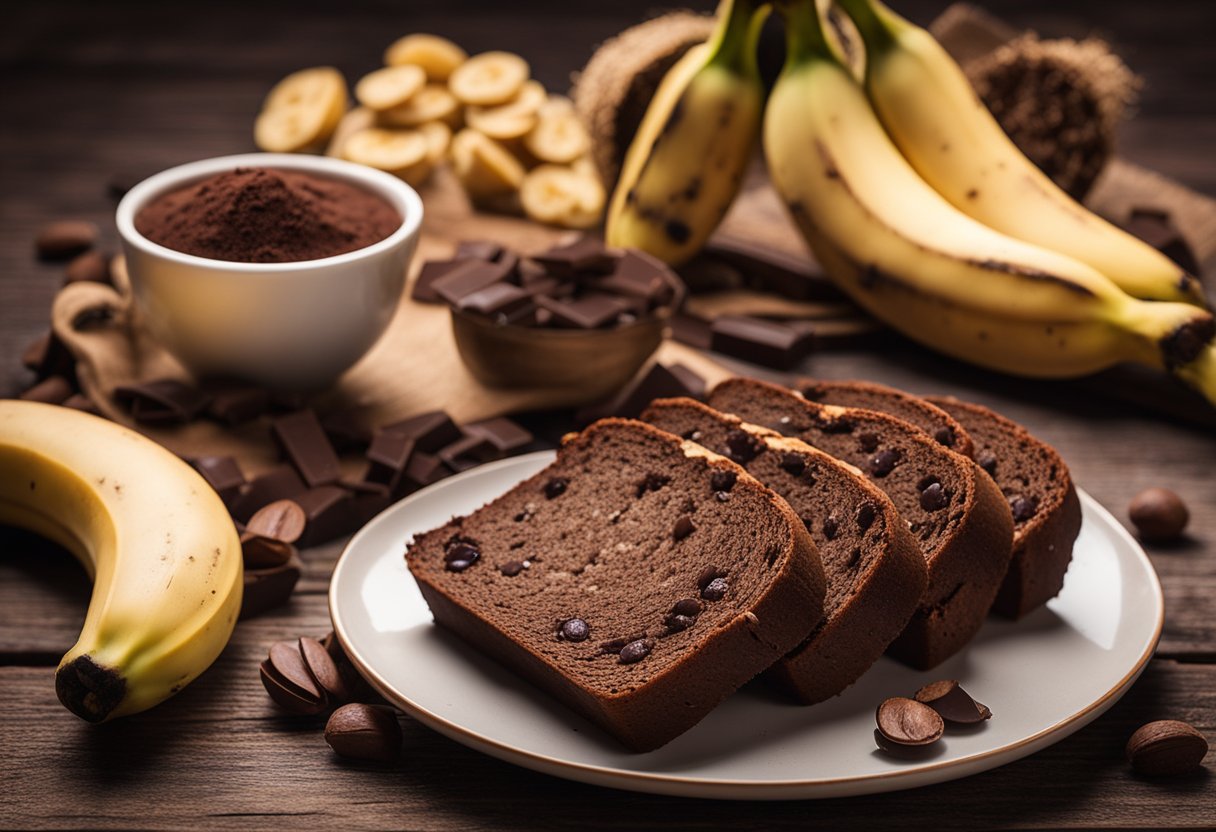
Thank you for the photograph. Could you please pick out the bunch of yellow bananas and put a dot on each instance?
(912, 197)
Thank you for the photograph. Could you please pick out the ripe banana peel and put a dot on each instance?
(911, 258)
(945, 131)
(163, 553)
(686, 164)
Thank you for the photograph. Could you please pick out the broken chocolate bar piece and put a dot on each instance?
(425, 469)
(659, 382)
(479, 250)
(591, 311)
(760, 341)
(691, 330)
(161, 402)
(505, 435)
(772, 270)
(303, 441)
(503, 303)
(388, 454)
(584, 255)
(345, 430)
(638, 276)
(237, 405)
(278, 483)
(430, 431)
(222, 473)
(469, 277)
(467, 452)
(329, 512)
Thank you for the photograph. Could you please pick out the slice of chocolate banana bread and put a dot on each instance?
(927, 416)
(875, 571)
(954, 509)
(618, 580)
(1046, 510)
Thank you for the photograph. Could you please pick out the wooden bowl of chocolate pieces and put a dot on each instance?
(578, 315)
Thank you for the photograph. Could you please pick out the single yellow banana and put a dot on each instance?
(163, 553)
(930, 109)
(686, 163)
(899, 249)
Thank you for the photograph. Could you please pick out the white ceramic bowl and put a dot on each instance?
(294, 326)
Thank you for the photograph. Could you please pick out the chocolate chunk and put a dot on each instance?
(238, 405)
(865, 516)
(905, 721)
(723, 480)
(423, 290)
(425, 469)
(306, 445)
(773, 270)
(467, 277)
(1158, 514)
(90, 267)
(278, 483)
(635, 651)
(65, 239)
(479, 250)
(1023, 508)
(658, 382)
(389, 453)
(330, 513)
(459, 556)
(51, 390)
(513, 567)
(867, 442)
(677, 623)
(346, 430)
(556, 487)
(502, 303)
(161, 402)
(430, 431)
(987, 461)
(839, 333)
(683, 528)
(715, 590)
(574, 629)
(760, 341)
(742, 447)
(933, 497)
(266, 589)
(591, 311)
(639, 276)
(831, 527)
(467, 452)
(708, 574)
(690, 330)
(504, 435)
(793, 463)
(1166, 748)
(884, 462)
(944, 436)
(364, 732)
(264, 552)
(222, 473)
(687, 606)
(948, 698)
(584, 255)
(1157, 229)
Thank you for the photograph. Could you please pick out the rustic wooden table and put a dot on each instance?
(93, 90)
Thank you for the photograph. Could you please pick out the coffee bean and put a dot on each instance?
(708, 574)
(944, 436)
(90, 267)
(934, 497)
(324, 671)
(676, 623)
(868, 442)
(683, 528)
(635, 651)
(1158, 514)
(987, 461)
(556, 487)
(1166, 748)
(688, 606)
(866, 512)
(884, 462)
(287, 696)
(289, 683)
(742, 447)
(905, 721)
(364, 732)
(715, 590)
(282, 520)
(574, 629)
(948, 698)
(65, 239)
(723, 481)
(831, 527)
(460, 556)
(1023, 508)
(793, 463)
(513, 567)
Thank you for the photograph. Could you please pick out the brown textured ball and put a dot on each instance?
(1158, 514)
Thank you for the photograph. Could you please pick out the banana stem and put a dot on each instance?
(804, 35)
(876, 23)
(734, 39)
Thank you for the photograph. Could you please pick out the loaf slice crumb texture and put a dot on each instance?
(1046, 510)
(955, 511)
(616, 580)
(875, 571)
(930, 418)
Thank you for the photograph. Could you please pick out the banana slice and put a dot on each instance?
(438, 136)
(355, 121)
(484, 167)
(512, 120)
(388, 150)
(560, 196)
(489, 79)
(301, 111)
(389, 87)
(559, 136)
(437, 57)
(431, 103)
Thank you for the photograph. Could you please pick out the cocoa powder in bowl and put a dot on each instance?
(267, 215)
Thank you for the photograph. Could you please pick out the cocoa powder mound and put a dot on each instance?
(264, 215)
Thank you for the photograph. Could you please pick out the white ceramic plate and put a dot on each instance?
(1044, 677)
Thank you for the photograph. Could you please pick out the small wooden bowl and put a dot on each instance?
(597, 361)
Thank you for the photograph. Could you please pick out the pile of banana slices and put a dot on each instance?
(514, 147)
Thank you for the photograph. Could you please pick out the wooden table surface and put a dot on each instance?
(94, 90)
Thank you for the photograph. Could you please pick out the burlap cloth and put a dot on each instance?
(415, 366)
